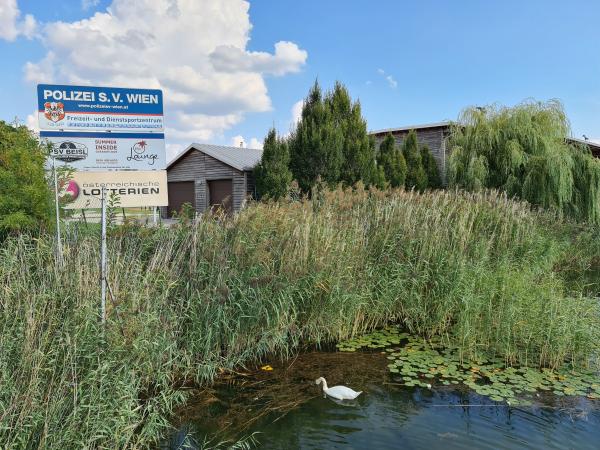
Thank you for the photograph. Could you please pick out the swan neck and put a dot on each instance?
(324, 384)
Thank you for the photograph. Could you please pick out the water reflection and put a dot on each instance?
(287, 410)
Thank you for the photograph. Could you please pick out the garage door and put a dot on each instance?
(220, 194)
(180, 192)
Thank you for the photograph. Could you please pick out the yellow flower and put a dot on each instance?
(268, 368)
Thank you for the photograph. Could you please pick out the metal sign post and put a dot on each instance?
(103, 259)
(59, 257)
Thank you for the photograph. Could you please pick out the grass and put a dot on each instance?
(475, 270)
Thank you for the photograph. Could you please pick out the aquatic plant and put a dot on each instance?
(427, 362)
(480, 272)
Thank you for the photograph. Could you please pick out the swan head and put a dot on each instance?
(320, 380)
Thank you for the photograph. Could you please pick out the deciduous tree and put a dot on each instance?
(25, 196)
(524, 152)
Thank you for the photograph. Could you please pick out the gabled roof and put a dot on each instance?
(237, 157)
(412, 127)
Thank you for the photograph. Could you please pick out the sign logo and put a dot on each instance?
(54, 111)
(139, 147)
(69, 151)
(69, 191)
(138, 153)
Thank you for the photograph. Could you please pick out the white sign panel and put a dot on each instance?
(108, 151)
(90, 108)
(133, 188)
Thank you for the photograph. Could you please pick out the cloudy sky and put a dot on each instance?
(230, 69)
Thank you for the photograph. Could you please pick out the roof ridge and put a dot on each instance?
(413, 127)
(240, 158)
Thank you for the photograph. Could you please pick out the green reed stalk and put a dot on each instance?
(486, 273)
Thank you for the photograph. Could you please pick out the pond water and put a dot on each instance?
(283, 409)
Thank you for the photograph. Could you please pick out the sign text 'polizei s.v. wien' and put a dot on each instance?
(112, 138)
(86, 108)
(108, 151)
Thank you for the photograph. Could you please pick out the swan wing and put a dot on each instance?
(342, 393)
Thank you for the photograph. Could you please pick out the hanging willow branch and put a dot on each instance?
(523, 151)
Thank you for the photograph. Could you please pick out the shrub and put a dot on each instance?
(25, 196)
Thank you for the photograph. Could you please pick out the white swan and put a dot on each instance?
(338, 392)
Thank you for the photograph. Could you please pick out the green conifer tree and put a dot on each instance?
(316, 143)
(358, 150)
(416, 178)
(330, 142)
(272, 175)
(431, 169)
(392, 162)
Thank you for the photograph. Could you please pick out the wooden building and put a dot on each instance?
(208, 176)
(435, 136)
(593, 146)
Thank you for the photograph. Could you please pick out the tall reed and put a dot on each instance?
(486, 273)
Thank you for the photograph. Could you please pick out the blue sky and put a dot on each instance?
(408, 62)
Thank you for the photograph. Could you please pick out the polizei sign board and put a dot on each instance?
(108, 151)
(85, 108)
(133, 188)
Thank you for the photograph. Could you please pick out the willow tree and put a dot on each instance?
(523, 151)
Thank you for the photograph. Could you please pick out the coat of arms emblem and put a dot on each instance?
(54, 111)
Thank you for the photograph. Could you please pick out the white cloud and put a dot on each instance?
(287, 58)
(189, 127)
(11, 26)
(9, 12)
(89, 4)
(173, 150)
(393, 83)
(255, 143)
(195, 50)
(40, 72)
(389, 78)
(296, 115)
(238, 141)
(32, 122)
(297, 112)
